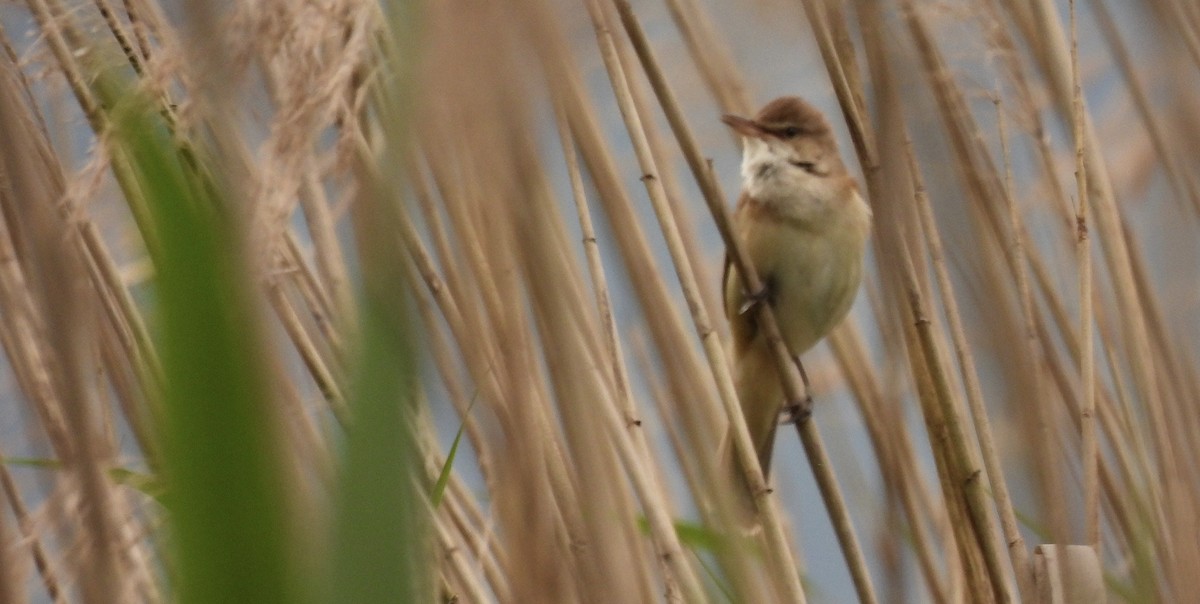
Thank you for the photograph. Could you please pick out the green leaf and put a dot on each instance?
(382, 546)
(228, 512)
(693, 535)
(42, 463)
(439, 489)
(698, 538)
(148, 484)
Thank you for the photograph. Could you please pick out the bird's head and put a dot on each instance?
(788, 134)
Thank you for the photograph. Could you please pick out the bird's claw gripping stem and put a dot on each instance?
(753, 299)
(796, 412)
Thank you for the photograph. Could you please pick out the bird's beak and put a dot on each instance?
(743, 126)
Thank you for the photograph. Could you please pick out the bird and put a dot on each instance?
(804, 227)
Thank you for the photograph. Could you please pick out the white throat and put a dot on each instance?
(769, 176)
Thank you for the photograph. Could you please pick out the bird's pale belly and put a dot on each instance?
(812, 276)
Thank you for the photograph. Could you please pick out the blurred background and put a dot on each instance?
(350, 301)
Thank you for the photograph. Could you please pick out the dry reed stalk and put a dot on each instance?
(1183, 188)
(976, 535)
(681, 361)
(652, 499)
(301, 339)
(64, 330)
(327, 253)
(1018, 554)
(107, 12)
(47, 573)
(1118, 257)
(480, 541)
(453, 379)
(665, 156)
(681, 364)
(1011, 528)
(561, 362)
(1112, 239)
(1179, 379)
(961, 472)
(117, 301)
(1117, 430)
(322, 311)
(839, 68)
(679, 576)
(893, 449)
(128, 314)
(1090, 449)
(1019, 273)
(612, 342)
(703, 418)
(491, 376)
(961, 546)
(49, 335)
(712, 56)
(1187, 25)
(710, 338)
(455, 534)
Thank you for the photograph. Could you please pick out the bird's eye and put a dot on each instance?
(790, 132)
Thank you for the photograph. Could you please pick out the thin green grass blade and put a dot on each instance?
(148, 484)
(439, 488)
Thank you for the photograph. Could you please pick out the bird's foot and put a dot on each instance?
(753, 299)
(796, 412)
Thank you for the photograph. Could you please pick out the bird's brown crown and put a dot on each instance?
(793, 111)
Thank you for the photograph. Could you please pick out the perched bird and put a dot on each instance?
(804, 227)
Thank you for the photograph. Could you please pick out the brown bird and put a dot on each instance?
(804, 227)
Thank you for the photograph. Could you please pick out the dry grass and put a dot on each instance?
(1021, 367)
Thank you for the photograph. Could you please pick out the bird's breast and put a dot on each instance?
(813, 267)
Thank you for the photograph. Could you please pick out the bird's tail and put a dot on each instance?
(760, 393)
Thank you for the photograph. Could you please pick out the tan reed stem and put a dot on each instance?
(1090, 449)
